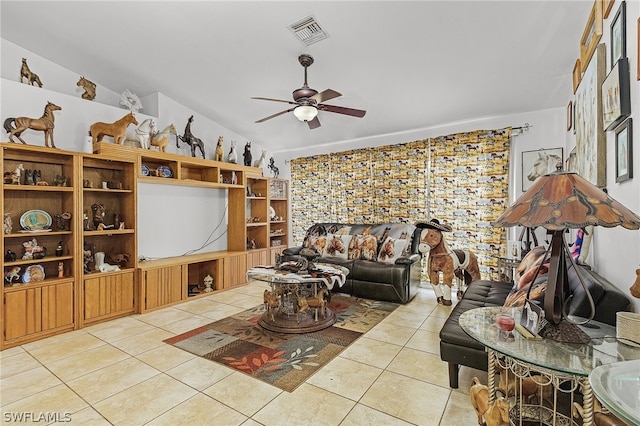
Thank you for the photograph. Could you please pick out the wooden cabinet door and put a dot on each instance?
(38, 309)
(162, 286)
(235, 270)
(257, 258)
(108, 295)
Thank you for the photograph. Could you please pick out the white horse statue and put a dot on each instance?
(544, 164)
(143, 132)
(260, 162)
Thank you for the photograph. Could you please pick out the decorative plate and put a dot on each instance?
(35, 220)
(164, 171)
(145, 170)
(33, 273)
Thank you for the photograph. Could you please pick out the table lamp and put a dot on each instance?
(559, 201)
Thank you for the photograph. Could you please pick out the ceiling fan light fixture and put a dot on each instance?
(305, 112)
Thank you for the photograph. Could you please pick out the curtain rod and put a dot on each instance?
(522, 129)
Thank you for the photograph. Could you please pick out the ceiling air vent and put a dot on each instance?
(308, 31)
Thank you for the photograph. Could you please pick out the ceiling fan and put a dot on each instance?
(308, 101)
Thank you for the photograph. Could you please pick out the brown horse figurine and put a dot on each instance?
(89, 88)
(318, 301)
(116, 130)
(44, 124)
(161, 139)
(460, 263)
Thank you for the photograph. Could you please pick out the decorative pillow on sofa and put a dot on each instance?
(337, 246)
(391, 249)
(363, 247)
(317, 243)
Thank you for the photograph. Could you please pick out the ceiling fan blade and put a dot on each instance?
(275, 115)
(275, 100)
(314, 124)
(342, 110)
(325, 95)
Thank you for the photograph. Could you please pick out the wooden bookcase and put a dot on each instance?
(39, 307)
(110, 232)
(278, 217)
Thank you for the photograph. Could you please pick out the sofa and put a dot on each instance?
(383, 259)
(458, 348)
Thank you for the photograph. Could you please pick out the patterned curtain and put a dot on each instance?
(461, 179)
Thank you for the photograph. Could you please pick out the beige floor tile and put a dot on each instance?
(183, 326)
(112, 379)
(86, 417)
(143, 342)
(144, 401)
(229, 297)
(406, 319)
(251, 422)
(16, 364)
(243, 393)
(424, 340)
(62, 346)
(199, 373)
(371, 352)
(58, 401)
(443, 311)
(433, 324)
(85, 362)
(164, 316)
(26, 384)
(249, 302)
(165, 357)
(419, 306)
(307, 405)
(421, 365)
(391, 333)
(197, 306)
(409, 399)
(222, 311)
(347, 378)
(120, 328)
(365, 416)
(459, 410)
(200, 410)
(11, 352)
(465, 377)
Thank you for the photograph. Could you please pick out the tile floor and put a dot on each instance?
(120, 372)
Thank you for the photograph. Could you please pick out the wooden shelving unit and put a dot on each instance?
(278, 225)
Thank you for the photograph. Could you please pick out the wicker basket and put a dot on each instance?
(628, 328)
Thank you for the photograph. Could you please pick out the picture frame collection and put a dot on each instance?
(613, 103)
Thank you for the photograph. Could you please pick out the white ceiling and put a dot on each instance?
(411, 65)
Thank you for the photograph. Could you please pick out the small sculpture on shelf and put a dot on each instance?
(260, 162)
(120, 259)
(247, 154)
(116, 130)
(60, 269)
(59, 249)
(161, 139)
(7, 223)
(60, 181)
(63, 221)
(44, 124)
(89, 88)
(87, 257)
(32, 250)
(190, 139)
(12, 275)
(130, 101)
(219, 153)
(14, 177)
(98, 258)
(208, 284)
(10, 256)
(275, 171)
(233, 156)
(234, 178)
(142, 133)
(98, 215)
(26, 73)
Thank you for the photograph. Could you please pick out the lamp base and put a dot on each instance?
(565, 332)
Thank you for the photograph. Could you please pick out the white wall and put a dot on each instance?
(171, 219)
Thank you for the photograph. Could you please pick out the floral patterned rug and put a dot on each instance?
(282, 360)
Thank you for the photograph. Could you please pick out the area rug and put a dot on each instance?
(280, 359)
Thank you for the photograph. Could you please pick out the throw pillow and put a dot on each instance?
(517, 297)
(337, 246)
(391, 249)
(317, 243)
(363, 247)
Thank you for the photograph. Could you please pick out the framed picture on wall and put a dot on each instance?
(619, 34)
(606, 7)
(539, 163)
(638, 44)
(569, 116)
(577, 75)
(616, 101)
(590, 137)
(591, 34)
(571, 162)
(624, 152)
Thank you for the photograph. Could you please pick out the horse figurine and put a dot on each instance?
(317, 301)
(31, 77)
(544, 164)
(271, 302)
(143, 132)
(190, 140)
(89, 88)
(233, 156)
(161, 139)
(219, 152)
(44, 124)
(274, 169)
(247, 154)
(116, 130)
(460, 263)
(260, 162)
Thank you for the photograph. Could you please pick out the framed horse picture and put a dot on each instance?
(539, 163)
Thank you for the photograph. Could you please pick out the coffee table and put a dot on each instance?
(293, 290)
(564, 366)
(617, 386)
